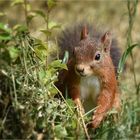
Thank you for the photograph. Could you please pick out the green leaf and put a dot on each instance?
(51, 3)
(66, 57)
(124, 57)
(16, 2)
(70, 102)
(5, 36)
(41, 51)
(42, 74)
(30, 16)
(20, 28)
(53, 91)
(14, 52)
(5, 32)
(40, 13)
(53, 25)
(5, 28)
(58, 64)
(46, 32)
(48, 75)
(60, 131)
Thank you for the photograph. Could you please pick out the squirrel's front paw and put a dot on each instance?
(97, 120)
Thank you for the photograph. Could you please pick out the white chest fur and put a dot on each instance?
(90, 88)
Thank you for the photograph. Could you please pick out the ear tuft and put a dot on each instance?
(106, 40)
(84, 32)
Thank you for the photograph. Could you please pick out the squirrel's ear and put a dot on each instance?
(106, 40)
(84, 33)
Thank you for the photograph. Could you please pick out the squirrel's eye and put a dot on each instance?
(97, 56)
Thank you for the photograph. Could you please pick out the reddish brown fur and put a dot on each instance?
(109, 91)
(104, 69)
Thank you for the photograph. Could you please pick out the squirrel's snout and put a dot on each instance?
(80, 70)
(83, 70)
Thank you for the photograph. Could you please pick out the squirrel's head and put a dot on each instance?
(90, 54)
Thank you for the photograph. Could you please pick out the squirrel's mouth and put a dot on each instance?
(82, 74)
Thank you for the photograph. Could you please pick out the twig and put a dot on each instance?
(14, 87)
(84, 125)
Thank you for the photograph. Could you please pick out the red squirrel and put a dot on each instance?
(90, 79)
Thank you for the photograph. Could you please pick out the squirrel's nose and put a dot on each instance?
(80, 70)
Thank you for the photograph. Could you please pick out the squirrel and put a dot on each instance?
(91, 78)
